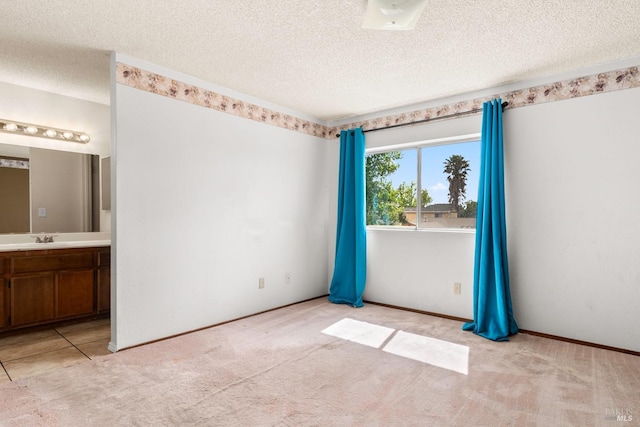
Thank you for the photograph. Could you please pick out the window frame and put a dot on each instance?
(419, 145)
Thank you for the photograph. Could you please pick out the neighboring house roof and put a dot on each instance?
(438, 207)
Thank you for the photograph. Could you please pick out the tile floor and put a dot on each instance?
(33, 353)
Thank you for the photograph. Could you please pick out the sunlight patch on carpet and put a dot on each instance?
(443, 354)
(359, 332)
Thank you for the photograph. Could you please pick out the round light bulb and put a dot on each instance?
(67, 135)
(50, 133)
(11, 127)
(31, 129)
(84, 137)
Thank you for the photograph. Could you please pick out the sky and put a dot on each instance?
(433, 179)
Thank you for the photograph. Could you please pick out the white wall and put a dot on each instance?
(417, 269)
(571, 176)
(571, 170)
(205, 204)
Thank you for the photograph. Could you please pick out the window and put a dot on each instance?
(447, 186)
(391, 187)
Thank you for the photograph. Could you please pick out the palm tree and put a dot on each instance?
(457, 168)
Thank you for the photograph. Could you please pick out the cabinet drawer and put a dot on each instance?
(52, 262)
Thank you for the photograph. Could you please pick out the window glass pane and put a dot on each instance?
(449, 184)
(391, 188)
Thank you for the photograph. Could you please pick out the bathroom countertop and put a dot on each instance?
(9, 247)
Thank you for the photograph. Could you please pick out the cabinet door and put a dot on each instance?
(32, 299)
(3, 315)
(74, 294)
(104, 290)
(4, 290)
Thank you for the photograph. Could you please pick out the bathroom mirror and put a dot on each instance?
(48, 191)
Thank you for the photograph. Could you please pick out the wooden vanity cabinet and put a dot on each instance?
(50, 285)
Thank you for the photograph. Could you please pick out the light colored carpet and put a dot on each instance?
(443, 354)
(279, 369)
(360, 332)
(417, 347)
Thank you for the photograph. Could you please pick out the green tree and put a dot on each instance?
(457, 168)
(405, 195)
(379, 190)
(385, 204)
(470, 210)
(425, 198)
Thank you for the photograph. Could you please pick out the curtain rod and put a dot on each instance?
(431, 119)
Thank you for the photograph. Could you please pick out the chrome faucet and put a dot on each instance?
(45, 239)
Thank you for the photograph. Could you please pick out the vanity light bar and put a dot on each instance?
(9, 126)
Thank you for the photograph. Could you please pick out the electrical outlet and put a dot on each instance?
(287, 278)
(457, 288)
(261, 283)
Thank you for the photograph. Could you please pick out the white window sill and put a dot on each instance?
(423, 230)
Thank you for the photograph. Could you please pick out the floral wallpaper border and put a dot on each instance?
(137, 78)
(13, 163)
(626, 78)
(155, 83)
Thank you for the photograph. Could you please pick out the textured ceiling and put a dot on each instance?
(311, 55)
